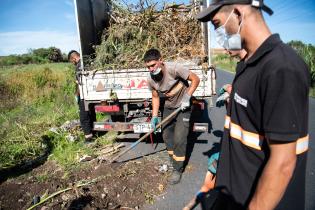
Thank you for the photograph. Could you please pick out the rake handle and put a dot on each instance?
(146, 135)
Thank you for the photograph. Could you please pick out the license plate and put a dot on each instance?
(143, 128)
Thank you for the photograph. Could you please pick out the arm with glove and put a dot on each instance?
(224, 95)
(155, 109)
(194, 79)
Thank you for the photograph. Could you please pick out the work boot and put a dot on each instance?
(175, 177)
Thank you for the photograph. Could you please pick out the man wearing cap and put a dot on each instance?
(170, 89)
(264, 147)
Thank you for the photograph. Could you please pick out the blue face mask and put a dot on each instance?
(229, 42)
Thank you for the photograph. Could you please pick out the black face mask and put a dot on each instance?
(157, 77)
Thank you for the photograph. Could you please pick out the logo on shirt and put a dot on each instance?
(240, 100)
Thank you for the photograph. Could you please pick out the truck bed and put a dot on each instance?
(130, 85)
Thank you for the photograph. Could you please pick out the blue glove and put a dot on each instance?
(222, 99)
(77, 98)
(223, 89)
(154, 122)
(212, 163)
(185, 102)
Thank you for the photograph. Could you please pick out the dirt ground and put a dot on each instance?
(117, 186)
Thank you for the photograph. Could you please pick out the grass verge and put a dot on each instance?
(35, 98)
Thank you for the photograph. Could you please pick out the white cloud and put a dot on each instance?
(19, 42)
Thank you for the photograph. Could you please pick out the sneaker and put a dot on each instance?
(175, 177)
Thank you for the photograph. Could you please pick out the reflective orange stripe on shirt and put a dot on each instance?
(178, 158)
(170, 152)
(255, 140)
(302, 145)
(227, 122)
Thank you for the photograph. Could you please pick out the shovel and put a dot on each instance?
(146, 135)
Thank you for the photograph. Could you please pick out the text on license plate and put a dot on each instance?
(142, 127)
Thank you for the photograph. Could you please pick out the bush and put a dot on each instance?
(52, 54)
(307, 52)
(33, 98)
(37, 56)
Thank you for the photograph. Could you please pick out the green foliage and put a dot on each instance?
(307, 52)
(42, 78)
(33, 98)
(52, 54)
(9, 95)
(21, 59)
(67, 153)
(42, 177)
(224, 61)
(36, 56)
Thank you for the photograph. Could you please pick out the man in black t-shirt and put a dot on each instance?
(264, 147)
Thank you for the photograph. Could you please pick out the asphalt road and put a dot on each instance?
(177, 196)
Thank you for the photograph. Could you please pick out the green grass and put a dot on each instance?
(67, 153)
(41, 97)
(33, 99)
(224, 62)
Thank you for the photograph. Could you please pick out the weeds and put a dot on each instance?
(67, 153)
(224, 61)
(42, 177)
(33, 99)
(106, 139)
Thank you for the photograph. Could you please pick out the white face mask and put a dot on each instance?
(157, 71)
(157, 75)
(229, 42)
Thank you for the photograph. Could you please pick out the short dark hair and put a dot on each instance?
(151, 55)
(72, 51)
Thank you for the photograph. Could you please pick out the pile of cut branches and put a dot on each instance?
(133, 30)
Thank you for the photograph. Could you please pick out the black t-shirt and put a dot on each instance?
(269, 99)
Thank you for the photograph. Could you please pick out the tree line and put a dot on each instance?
(35, 56)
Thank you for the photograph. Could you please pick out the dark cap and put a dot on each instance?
(215, 5)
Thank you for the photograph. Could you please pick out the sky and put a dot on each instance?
(32, 24)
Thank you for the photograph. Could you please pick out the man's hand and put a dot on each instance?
(224, 95)
(225, 88)
(185, 102)
(154, 122)
(222, 99)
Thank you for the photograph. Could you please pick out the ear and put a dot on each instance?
(161, 61)
(238, 11)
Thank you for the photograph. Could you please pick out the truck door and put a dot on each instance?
(92, 17)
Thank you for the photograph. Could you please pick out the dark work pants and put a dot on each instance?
(175, 134)
(87, 117)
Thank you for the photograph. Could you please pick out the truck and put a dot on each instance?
(124, 94)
